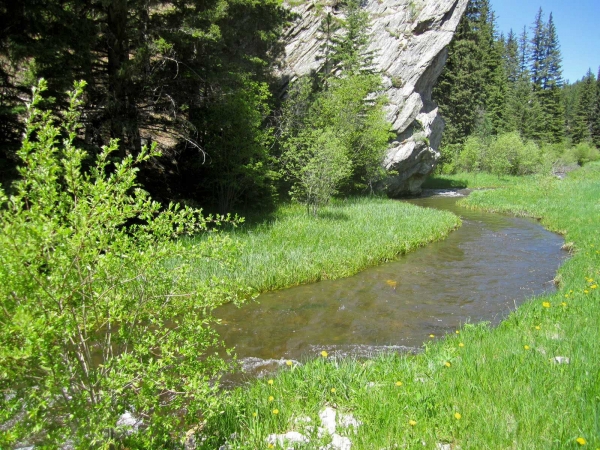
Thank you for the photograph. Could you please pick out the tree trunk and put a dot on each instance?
(121, 96)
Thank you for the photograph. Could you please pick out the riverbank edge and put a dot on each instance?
(532, 382)
(346, 237)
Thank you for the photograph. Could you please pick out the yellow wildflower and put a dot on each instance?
(538, 327)
(412, 423)
(324, 354)
(432, 336)
(447, 364)
(564, 303)
(457, 332)
(586, 292)
(270, 382)
(461, 345)
(275, 411)
(288, 363)
(546, 304)
(593, 286)
(581, 441)
(398, 383)
(271, 446)
(457, 416)
(254, 414)
(271, 398)
(526, 347)
(333, 390)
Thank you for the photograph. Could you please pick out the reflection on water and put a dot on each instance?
(480, 272)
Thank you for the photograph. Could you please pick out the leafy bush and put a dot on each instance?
(470, 157)
(99, 314)
(584, 152)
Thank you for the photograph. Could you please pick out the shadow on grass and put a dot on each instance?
(437, 182)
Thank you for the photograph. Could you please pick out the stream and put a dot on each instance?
(480, 272)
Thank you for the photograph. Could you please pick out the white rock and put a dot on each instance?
(338, 443)
(561, 360)
(348, 420)
(290, 437)
(327, 417)
(129, 422)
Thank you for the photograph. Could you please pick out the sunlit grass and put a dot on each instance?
(533, 382)
(294, 248)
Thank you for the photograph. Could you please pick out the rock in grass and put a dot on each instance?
(561, 360)
(291, 437)
(328, 419)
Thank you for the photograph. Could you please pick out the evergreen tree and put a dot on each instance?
(460, 91)
(595, 125)
(584, 110)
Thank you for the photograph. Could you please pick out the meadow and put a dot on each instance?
(293, 248)
(533, 382)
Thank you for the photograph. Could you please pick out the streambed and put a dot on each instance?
(481, 271)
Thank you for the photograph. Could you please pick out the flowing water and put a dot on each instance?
(481, 271)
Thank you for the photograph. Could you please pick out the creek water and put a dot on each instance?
(481, 271)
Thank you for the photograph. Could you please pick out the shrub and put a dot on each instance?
(471, 155)
(99, 314)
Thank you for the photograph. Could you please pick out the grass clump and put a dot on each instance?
(345, 237)
(532, 382)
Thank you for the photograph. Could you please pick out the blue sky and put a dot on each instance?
(577, 23)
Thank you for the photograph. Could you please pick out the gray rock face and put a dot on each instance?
(410, 39)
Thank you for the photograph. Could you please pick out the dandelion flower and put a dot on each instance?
(271, 446)
(333, 390)
(447, 364)
(288, 363)
(581, 441)
(432, 336)
(254, 414)
(461, 345)
(538, 327)
(586, 292)
(271, 398)
(412, 423)
(546, 304)
(324, 354)
(457, 332)
(457, 416)
(526, 347)
(270, 382)
(398, 383)
(275, 411)
(593, 286)
(564, 304)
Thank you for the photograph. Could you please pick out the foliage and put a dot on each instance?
(505, 382)
(100, 315)
(156, 71)
(332, 130)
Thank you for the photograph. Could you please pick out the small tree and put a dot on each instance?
(316, 164)
(100, 312)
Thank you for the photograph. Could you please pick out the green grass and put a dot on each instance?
(474, 181)
(502, 381)
(293, 248)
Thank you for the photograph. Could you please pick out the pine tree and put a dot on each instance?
(583, 119)
(595, 125)
(460, 91)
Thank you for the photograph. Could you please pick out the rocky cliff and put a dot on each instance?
(410, 39)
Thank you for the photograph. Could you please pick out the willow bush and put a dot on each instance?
(99, 316)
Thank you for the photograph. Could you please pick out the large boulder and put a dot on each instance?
(410, 39)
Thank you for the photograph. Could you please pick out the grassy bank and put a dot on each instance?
(531, 383)
(347, 236)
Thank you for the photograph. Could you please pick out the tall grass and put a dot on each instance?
(347, 236)
(478, 388)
